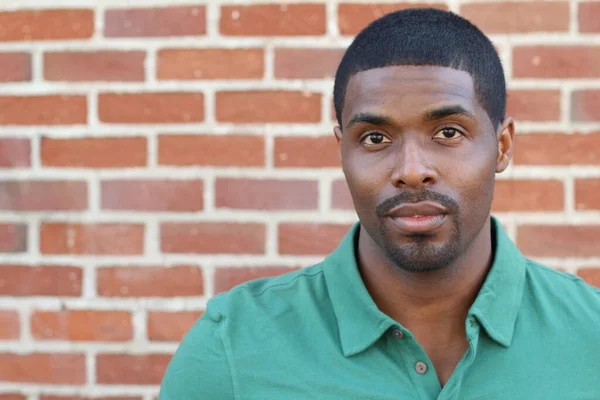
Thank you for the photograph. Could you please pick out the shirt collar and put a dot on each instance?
(361, 323)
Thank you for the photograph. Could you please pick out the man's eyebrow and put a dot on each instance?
(447, 111)
(368, 118)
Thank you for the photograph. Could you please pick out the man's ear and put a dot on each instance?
(506, 142)
(337, 131)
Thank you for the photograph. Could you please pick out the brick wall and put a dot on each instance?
(151, 157)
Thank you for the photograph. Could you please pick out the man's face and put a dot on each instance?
(420, 155)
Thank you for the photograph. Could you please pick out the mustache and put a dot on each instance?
(414, 197)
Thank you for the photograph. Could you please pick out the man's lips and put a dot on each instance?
(419, 217)
(416, 210)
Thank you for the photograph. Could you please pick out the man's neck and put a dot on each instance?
(421, 301)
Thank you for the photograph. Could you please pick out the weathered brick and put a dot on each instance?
(213, 150)
(15, 153)
(15, 66)
(306, 152)
(353, 17)
(588, 15)
(176, 64)
(587, 194)
(43, 110)
(528, 195)
(13, 238)
(166, 107)
(309, 238)
(152, 195)
(307, 63)
(82, 325)
(10, 326)
(97, 152)
(586, 105)
(43, 195)
(76, 66)
(154, 22)
(168, 326)
(273, 20)
(556, 62)
(266, 194)
(46, 24)
(126, 369)
(42, 280)
(212, 237)
(91, 239)
(268, 106)
(150, 281)
(519, 16)
(559, 240)
(533, 105)
(39, 368)
(557, 149)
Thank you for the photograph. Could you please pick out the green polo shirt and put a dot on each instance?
(534, 333)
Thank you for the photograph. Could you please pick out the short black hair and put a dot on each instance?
(426, 36)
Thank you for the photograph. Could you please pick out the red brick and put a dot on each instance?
(43, 110)
(591, 275)
(131, 369)
(13, 397)
(10, 327)
(557, 149)
(306, 63)
(82, 325)
(528, 195)
(15, 153)
(587, 194)
(306, 152)
(268, 106)
(273, 20)
(13, 238)
(228, 277)
(559, 240)
(87, 398)
(155, 22)
(46, 24)
(556, 62)
(266, 194)
(533, 105)
(309, 239)
(166, 326)
(46, 280)
(94, 66)
(340, 195)
(97, 152)
(353, 17)
(214, 150)
(589, 16)
(212, 237)
(586, 105)
(43, 195)
(15, 67)
(91, 239)
(152, 195)
(210, 64)
(67, 369)
(147, 281)
(518, 17)
(129, 108)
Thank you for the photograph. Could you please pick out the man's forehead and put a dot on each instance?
(408, 87)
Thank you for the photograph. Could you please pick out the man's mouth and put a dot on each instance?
(419, 217)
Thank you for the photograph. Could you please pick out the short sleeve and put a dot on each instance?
(199, 369)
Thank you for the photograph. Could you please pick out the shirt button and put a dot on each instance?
(398, 334)
(421, 367)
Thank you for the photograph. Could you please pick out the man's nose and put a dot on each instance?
(413, 167)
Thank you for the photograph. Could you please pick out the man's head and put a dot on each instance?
(420, 99)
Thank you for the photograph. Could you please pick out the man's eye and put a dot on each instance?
(448, 133)
(375, 138)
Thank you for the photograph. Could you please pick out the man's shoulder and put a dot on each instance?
(562, 289)
(270, 294)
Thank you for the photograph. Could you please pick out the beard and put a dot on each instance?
(420, 252)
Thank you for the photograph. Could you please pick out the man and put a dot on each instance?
(426, 297)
